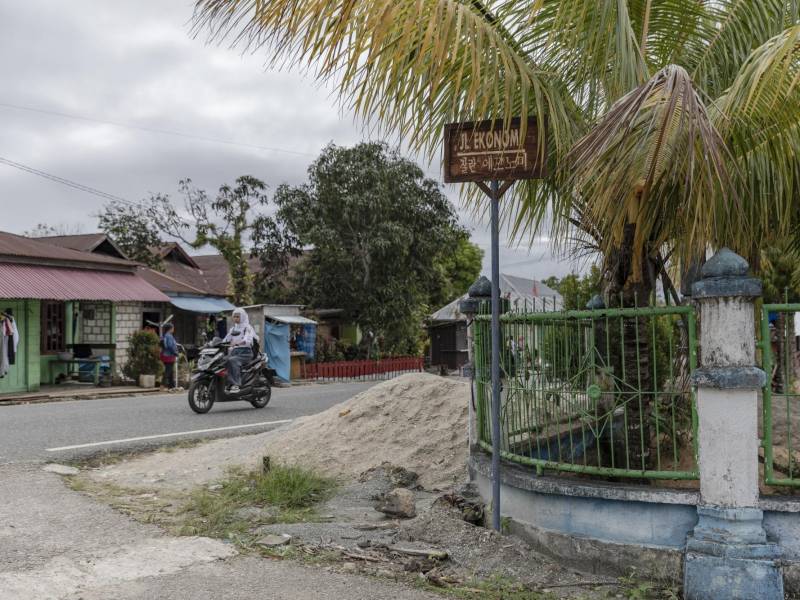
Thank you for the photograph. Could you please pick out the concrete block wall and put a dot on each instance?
(128, 321)
(98, 329)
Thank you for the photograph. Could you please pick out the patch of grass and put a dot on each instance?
(291, 491)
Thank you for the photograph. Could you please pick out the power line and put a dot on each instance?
(64, 181)
(151, 129)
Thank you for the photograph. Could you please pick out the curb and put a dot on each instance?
(47, 398)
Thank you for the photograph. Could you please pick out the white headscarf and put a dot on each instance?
(241, 334)
(244, 320)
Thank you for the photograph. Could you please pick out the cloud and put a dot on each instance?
(135, 62)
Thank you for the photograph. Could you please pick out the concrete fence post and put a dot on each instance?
(728, 555)
(479, 292)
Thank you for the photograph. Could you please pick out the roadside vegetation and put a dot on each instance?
(282, 494)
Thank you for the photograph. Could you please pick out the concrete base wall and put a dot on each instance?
(598, 527)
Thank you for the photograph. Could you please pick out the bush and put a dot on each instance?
(144, 356)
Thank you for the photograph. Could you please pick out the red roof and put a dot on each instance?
(56, 283)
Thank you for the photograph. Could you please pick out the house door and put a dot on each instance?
(16, 380)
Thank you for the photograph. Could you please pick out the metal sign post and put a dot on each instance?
(495, 152)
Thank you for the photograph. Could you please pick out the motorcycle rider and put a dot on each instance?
(240, 338)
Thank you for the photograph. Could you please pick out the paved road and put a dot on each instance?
(28, 431)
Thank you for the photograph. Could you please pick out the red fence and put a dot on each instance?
(363, 369)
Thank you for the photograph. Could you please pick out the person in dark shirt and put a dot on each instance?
(169, 354)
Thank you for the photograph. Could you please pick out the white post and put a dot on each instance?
(728, 555)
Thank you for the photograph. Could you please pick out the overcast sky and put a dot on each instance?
(133, 62)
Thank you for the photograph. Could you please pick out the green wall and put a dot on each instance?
(24, 375)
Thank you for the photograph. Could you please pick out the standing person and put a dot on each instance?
(240, 338)
(169, 354)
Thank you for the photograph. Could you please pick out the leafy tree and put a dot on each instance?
(377, 231)
(456, 270)
(131, 229)
(577, 290)
(234, 223)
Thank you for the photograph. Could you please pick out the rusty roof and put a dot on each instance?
(58, 283)
(168, 284)
(83, 242)
(15, 247)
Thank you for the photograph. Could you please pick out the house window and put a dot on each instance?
(53, 325)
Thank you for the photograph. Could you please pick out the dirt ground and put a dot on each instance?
(407, 432)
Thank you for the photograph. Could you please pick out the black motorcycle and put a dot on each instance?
(208, 383)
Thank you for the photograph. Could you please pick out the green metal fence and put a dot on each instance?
(602, 392)
(780, 435)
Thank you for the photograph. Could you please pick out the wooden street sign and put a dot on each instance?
(490, 150)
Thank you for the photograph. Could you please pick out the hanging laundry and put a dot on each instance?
(12, 333)
(4, 345)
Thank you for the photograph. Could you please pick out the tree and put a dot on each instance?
(671, 125)
(577, 290)
(230, 223)
(132, 231)
(379, 234)
(45, 230)
(456, 269)
(234, 223)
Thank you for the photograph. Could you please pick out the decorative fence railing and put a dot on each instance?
(780, 432)
(363, 369)
(603, 392)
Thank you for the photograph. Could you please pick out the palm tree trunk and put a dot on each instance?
(629, 284)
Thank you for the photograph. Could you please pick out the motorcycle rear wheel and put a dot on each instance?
(201, 396)
(262, 400)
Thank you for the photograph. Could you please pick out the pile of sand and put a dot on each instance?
(417, 421)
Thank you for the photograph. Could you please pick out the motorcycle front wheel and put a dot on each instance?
(264, 397)
(201, 396)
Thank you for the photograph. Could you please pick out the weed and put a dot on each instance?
(293, 491)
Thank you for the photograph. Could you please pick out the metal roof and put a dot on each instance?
(85, 242)
(520, 292)
(26, 248)
(291, 319)
(203, 305)
(167, 284)
(56, 283)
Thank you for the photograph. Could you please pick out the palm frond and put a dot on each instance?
(664, 28)
(590, 44)
(657, 162)
(728, 33)
(411, 65)
(759, 117)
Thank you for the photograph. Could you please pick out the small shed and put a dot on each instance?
(447, 327)
(287, 337)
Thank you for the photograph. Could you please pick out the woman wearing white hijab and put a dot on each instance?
(240, 338)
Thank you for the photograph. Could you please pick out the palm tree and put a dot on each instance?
(672, 125)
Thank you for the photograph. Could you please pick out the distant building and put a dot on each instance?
(447, 327)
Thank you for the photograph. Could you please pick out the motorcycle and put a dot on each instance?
(208, 381)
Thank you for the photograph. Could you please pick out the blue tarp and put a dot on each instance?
(201, 304)
(276, 345)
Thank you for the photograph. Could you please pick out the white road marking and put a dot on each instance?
(165, 435)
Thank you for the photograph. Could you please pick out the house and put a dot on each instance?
(193, 298)
(447, 327)
(61, 298)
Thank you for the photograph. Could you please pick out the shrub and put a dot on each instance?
(143, 356)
